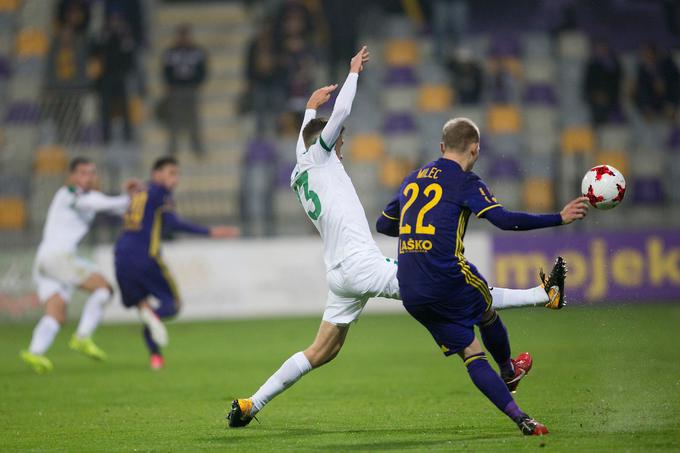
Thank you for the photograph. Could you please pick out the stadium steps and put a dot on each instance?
(210, 184)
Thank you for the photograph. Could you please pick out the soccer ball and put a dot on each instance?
(604, 186)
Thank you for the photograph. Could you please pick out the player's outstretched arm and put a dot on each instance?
(316, 100)
(95, 201)
(343, 104)
(522, 221)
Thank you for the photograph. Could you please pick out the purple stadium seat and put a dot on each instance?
(648, 190)
(283, 174)
(90, 134)
(399, 123)
(22, 112)
(401, 76)
(674, 139)
(260, 151)
(505, 46)
(4, 68)
(540, 93)
(505, 168)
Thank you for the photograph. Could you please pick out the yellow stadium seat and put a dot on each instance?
(618, 159)
(401, 52)
(538, 194)
(393, 172)
(367, 148)
(578, 140)
(137, 112)
(435, 98)
(12, 213)
(504, 119)
(50, 160)
(31, 42)
(8, 6)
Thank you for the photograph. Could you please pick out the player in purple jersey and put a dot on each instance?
(140, 270)
(438, 286)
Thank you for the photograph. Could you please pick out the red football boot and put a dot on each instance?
(522, 365)
(531, 427)
(157, 362)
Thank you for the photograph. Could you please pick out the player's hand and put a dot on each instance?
(320, 96)
(574, 210)
(132, 186)
(357, 62)
(224, 232)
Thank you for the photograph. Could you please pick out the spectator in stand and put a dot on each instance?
(184, 71)
(657, 85)
(342, 17)
(265, 82)
(74, 14)
(114, 56)
(467, 77)
(294, 37)
(602, 83)
(66, 82)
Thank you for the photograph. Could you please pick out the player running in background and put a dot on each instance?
(439, 287)
(356, 269)
(58, 268)
(140, 270)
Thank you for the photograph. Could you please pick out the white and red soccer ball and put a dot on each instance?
(604, 186)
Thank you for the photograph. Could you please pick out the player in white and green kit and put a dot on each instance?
(356, 268)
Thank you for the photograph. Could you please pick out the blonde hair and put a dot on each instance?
(459, 133)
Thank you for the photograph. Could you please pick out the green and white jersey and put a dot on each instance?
(70, 215)
(326, 191)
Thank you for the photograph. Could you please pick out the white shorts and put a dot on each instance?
(354, 281)
(60, 273)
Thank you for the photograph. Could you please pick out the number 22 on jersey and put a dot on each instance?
(302, 182)
(434, 193)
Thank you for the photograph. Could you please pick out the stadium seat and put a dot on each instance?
(647, 191)
(50, 160)
(393, 172)
(613, 137)
(401, 76)
(537, 45)
(538, 194)
(504, 119)
(137, 111)
(435, 98)
(403, 145)
(504, 168)
(396, 99)
(573, 45)
(366, 148)
(540, 94)
(401, 52)
(8, 6)
(577, 140)
(617, 159)
(22, 112)
(5, 70)
(31, 42)
(539, 70)
(12, 213)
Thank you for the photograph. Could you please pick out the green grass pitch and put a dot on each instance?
(605, 378)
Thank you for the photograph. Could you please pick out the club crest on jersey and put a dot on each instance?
(415, 246)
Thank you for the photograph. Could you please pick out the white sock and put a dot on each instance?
(43, 335)
(506, 298)
(289, 373)
(92, 312)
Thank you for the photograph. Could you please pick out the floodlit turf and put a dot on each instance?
(603, 379)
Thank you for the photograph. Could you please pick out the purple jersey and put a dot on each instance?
(144, 220)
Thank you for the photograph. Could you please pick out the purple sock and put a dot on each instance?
(153, 347)
(496, 341)
(491, 385)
